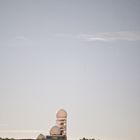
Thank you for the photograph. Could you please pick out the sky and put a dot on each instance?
(80, 55)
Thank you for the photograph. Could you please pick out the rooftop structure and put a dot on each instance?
(59, 131)
(55, 131)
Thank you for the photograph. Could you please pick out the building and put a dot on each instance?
(59, 131)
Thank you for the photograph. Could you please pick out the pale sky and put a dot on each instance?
(80, 55)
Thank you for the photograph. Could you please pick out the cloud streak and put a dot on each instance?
(23, 38)
(111, 36)
(3, 124)
(20, 131)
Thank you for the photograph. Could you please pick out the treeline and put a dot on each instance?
(87, 139)
(7, 138)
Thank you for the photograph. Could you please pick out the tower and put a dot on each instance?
(61, 121)
(59, 131)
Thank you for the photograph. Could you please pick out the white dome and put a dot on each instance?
(41, 137)
(55, 130)
(61, 114)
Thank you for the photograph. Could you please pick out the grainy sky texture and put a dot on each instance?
(80, 55)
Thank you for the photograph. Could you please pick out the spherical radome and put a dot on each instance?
(41, 137)
(55, 130)
(61, 114)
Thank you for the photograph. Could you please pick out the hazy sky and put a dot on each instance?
(80, 55)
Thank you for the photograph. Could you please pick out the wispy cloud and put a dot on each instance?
(23, 38)
(111, 36)
(20, 131)
(3, 124)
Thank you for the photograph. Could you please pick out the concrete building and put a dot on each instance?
(59, 131)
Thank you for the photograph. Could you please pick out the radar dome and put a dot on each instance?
(55, 130)
(61, 114)
(41, 137)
